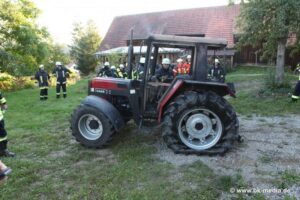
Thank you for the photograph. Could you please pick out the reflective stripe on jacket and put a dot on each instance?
(43, 78)
(61, 74)
(2, 101)
(119, 73)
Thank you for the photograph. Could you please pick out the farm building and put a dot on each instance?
(215, 22)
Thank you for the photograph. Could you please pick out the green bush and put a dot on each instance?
(9, 82)
(271, 86)
(6, 81)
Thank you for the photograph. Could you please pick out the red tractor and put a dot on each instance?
(195, 117)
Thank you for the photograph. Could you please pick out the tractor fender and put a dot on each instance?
(221, 89)
(106, 108)
(167, 96)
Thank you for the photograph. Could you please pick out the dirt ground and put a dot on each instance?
(271, 146)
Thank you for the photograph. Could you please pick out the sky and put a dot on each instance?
(60, 15)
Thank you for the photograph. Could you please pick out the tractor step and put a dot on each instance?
(148, 125)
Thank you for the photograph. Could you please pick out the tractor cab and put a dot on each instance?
(174, 64)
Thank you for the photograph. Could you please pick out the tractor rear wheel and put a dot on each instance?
(200, 123)
(91, 127)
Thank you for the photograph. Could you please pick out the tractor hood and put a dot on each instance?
(109, 83)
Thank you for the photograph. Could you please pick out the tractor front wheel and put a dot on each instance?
(200, 123)
(91, 127)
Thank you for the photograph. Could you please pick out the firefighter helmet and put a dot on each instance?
(166, 61)
(142, 60)
(41, 66)
(179, 60)
(106, 63)
(58, 63)
(217, 60)
(121, 66)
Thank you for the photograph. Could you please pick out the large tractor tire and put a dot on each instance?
(200, 123)
(91, 127)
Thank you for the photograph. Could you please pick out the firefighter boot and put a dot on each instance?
(7, 153)
(65, 95)
(4, 151)
(294, 98)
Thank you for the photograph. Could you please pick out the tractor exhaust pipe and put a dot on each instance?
(130, 55)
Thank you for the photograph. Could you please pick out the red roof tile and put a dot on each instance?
(216, 22)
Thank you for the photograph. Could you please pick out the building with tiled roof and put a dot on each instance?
(217, 22)
(214, 22)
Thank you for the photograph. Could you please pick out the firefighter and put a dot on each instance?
(182, 68)
(188, 62)
(216, 73)
(61, 74)
(138, 73)
(296, 93)
(165, 71)
(3, 134)
(42, 77)
(114, 72)
(105, 71)
(123, 71)
(117, 73)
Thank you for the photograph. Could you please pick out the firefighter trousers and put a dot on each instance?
(296, 93)
(43, 93)
(64, 89)
(3, 136)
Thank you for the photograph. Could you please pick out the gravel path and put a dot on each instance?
(271, 146)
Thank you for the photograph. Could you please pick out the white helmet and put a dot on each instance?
(41, 66)
(166, 61)
(58, 63)
(121, 66)
(113, 67)
(142, 60)
(179, 60)
(106, 63)
(217, 60)
(189, 57)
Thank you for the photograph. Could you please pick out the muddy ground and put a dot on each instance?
(271, 146)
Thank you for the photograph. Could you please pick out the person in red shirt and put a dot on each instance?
(188, 63)
(182, 68)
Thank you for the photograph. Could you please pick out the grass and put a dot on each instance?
(288, 178)
(254, 98)
(265, 159)
(51, 165)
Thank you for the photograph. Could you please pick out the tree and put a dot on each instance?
(232, 2)
(270, 23)
(56, 52)
(86, 41)
(23, 45)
